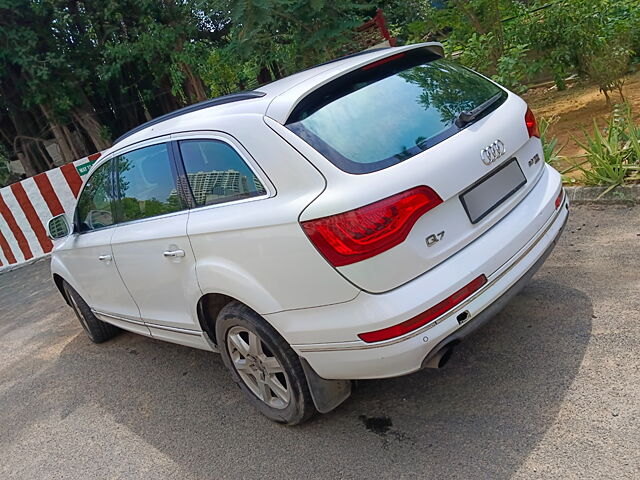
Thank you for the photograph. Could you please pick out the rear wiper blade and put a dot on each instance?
(465, 118)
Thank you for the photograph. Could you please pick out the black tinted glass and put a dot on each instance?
(216, 172)
(95, 206)
(385, 113)
(146, 183)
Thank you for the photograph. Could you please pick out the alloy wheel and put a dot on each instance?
(258, 367)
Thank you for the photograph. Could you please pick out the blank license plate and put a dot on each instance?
(487, 194)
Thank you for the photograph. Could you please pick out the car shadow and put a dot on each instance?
(479, 417)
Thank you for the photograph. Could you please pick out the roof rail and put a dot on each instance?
(233, 97)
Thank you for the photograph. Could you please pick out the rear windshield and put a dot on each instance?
(390, 110)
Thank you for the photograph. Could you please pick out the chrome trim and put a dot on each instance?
(184, 211)
(147, 324)
(492, 152)
(186, 331)
(174, 253)
(234, 202)
(117, 317)
(357, 345)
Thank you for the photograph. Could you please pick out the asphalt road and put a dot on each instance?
(549, 389)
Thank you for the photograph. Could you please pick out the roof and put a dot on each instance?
(212, 102)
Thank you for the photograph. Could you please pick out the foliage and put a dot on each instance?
(514, 41)
(613, 156)
(607, 69)
(6, 176)
(292, 34)
(550, 146)
(577, 35)
(224, 74)
(411, 21)
(513, 68)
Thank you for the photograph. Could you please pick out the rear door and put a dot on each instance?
(89, 257)
(150, 246)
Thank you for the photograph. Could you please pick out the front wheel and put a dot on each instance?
(97, 330)
(264, 366)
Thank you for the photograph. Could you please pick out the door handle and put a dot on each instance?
(105, 258)
(173, 253)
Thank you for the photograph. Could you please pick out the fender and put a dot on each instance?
(217, 275)
(58, 268)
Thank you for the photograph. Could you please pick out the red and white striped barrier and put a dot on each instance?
(27, 206)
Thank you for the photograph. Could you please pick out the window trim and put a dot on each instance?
(177, 169)
(76, 219)
(239, 150)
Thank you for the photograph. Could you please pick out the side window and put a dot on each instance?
(95, 205)
(146, 184)
(217, 173)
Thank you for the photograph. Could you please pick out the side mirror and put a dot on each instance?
(58, 227)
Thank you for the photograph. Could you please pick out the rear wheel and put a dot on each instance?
(264, 366)
(97, 330)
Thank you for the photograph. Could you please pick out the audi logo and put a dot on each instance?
(493, 152)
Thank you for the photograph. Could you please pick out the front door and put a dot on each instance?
(88, 256)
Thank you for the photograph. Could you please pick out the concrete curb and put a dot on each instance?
(625, 195)
(15, 266)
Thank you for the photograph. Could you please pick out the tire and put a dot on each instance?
(97, 330)
(263, 365)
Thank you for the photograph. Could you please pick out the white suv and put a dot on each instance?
(351, 221)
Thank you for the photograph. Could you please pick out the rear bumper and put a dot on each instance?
(344, 356)
(488, 313)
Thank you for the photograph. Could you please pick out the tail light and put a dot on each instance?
(425, 317)
(362, 233)
(559, 198)
(532, 124)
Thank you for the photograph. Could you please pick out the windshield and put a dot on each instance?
(390, 110)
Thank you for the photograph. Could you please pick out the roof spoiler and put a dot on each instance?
(435, 47)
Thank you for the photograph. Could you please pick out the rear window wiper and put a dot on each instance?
(465, 118)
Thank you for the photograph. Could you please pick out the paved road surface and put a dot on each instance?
(549, 389)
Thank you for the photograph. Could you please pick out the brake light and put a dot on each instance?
(425, 317)
(383, 61)
(532, 124)
(362, 233)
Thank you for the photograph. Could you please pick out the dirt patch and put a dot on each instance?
(576, 108)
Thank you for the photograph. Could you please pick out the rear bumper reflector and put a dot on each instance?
(425, 317)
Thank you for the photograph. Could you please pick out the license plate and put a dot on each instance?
(489, 192)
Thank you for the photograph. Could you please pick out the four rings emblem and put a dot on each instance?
(493, 152)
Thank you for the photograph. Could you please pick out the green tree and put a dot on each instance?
(291, 34)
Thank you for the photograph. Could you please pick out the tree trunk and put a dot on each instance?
(78, 151)
(264, 76)
(66, 150)
(194, 87)
(87, 121)
(475, 21)
(277, 71)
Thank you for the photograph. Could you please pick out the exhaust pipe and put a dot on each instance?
(440, 358)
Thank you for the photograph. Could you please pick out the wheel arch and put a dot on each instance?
(209, 306)
(59, 282)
